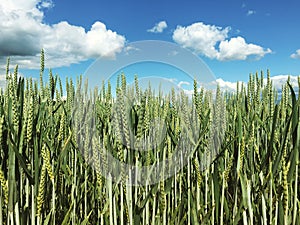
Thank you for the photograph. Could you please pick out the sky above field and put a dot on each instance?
(234, 38)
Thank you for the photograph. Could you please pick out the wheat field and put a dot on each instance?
(51, 169)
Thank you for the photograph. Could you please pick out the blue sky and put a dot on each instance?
(234, 38)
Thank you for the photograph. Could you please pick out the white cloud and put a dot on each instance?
(200, 37)
(46, 4)
(159, 27)
(229, 86)
(23, 34)
(237, 49)
(129, 49)
(251, 12)
(296, 55)
(103, 42)
(205, 39)
(279, 80)
(171, 80)
(183, 83)
(226, 85)
(212, 86)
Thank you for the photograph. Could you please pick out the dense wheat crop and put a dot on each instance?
(46, 177)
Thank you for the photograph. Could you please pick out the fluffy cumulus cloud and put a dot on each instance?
(23, 34)
(237, 49)
(296, 55)
(159, 27)
(212, 41)
(201, 38)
